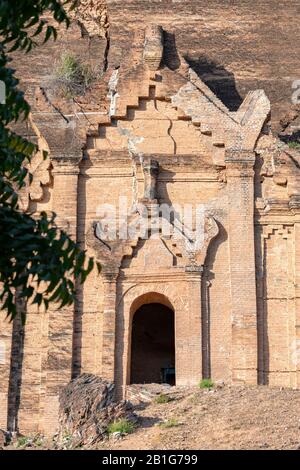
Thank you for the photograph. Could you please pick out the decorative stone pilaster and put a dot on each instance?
(65, 186)
(6, 331)
(295, 207)
(188, 326)
(150, 170)
(60, 330)
(109, 326)
(240, 174)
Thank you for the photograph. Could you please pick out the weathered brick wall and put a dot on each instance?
(277, 312)
(170, 116)
(5, 355)
(235, 46)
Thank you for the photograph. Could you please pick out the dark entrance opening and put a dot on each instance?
(153, 345)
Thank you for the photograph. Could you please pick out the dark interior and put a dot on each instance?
(153, 345)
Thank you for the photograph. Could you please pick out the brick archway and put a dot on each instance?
(153, 345)
(150, 298)
(182, 293)
(145, 301)
(152, 340)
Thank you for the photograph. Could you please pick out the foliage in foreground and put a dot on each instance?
(122, 426)
(162, 398)
(38, 260)
(293, 144)
(206, 383)
(170, 423)
(30, 441)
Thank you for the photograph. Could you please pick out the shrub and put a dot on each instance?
(122, 425)
(31, 441)
(294, 145)
(66, 441)
(170, 423)
(38, 442)
(72, 77)
(23, 441)
(206, 383)
(162, 398)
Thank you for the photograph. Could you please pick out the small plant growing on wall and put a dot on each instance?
(170, 423)
(23, 441)
(206, 383)
(122, 426)
(72, 77)
(293, 144)
(162, 398)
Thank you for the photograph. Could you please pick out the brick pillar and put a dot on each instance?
(295, 206)
(60, 330)
(5, 367)
(240, 187)
(297, 302)
(188, 338)
(28, 372)
(109, 326)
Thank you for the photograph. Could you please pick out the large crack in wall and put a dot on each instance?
(92, 17)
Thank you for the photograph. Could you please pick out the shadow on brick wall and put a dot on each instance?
(218, 79)
(16, 369)
(291, 138)
(207, 281)
(171, 57)
(79, 298)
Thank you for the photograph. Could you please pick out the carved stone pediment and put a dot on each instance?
(39, 168)
(152, 255)
(193, 249)
(111, 251)
(188, 249)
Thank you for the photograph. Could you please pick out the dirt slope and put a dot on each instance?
(239, 418)
(224, 418)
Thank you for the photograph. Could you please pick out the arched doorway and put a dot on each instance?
(153, 345)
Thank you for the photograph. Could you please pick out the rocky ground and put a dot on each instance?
(220, 418)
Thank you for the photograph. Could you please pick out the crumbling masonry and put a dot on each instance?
(235, 301)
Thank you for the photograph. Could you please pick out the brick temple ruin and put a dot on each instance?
(228, 309)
